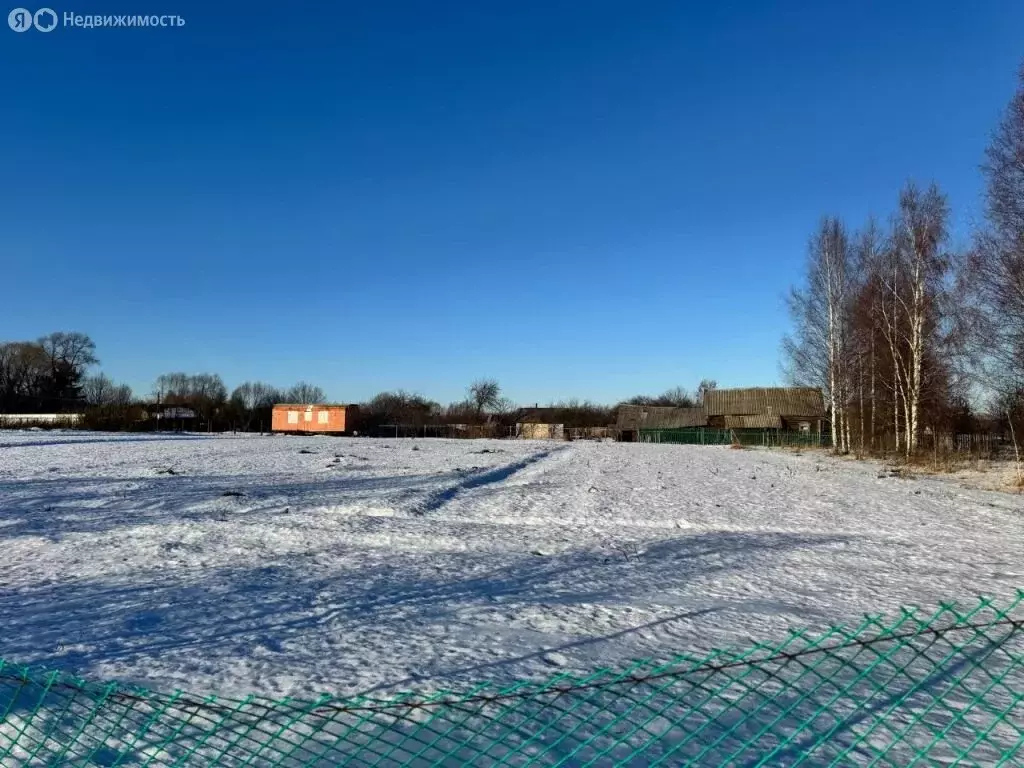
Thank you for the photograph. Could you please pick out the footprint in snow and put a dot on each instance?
(144, 620)
(555, 659)
(271, 644)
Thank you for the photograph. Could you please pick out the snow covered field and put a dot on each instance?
(284, 565)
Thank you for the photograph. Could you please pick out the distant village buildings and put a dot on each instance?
(752, 409)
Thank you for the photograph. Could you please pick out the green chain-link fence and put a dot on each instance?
(937, 688)
(712, 436)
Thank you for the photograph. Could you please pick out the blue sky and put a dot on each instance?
(578, 199)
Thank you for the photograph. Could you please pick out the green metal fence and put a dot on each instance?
(750, 437)
(943, 687)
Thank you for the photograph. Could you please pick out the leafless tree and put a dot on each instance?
(98, 389)
(503, 406)
(816, 354)
(993, 278)
(1011, 406)
(24, 369)
(172, 387)
(916, 269)
(676, 397)
(73, 349)
(109, 403)
(243, 397)
(188, 388)
(705, 386)
(69, 354)
(208, 387)
(398, 408)
(305, 393)
(576, 414)
(251, 395)
(204, 392)
(865, 310)
(484, 394)
(462, 412)
(122, 395)
(253, 400)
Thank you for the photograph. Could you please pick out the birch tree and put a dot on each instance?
(867, 313)
(919, 240)
(816, 353)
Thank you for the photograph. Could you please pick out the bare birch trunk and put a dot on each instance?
(835, 291)
(846, 411)
(907, 447)
(833, 405)
(916, 354)
(860, 386)
(833, 379)
(873, 400)
(1016, 448)
(846, 419)
(897, 397)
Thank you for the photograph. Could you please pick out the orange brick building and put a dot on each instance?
(334, 419)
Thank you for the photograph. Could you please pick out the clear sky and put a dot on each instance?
(584, 199)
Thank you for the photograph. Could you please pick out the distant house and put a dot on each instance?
(796, 409)
(299, 418)
(166, 416)
(50, 419)
(633, 419)
(539, 424)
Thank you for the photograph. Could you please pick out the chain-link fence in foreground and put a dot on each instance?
(937, 688)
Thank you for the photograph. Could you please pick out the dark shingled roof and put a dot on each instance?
(772, 401)
(659, 417)
(539, 416)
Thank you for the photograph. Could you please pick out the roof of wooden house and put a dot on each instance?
(772, 401)
(539, 416)
(632, 417)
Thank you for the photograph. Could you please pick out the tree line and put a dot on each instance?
(485, 405)
(48, 374)
(52, 375)
(906, 335)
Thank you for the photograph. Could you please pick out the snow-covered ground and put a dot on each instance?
(285, 565)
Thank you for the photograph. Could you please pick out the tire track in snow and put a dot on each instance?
(478, 479)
